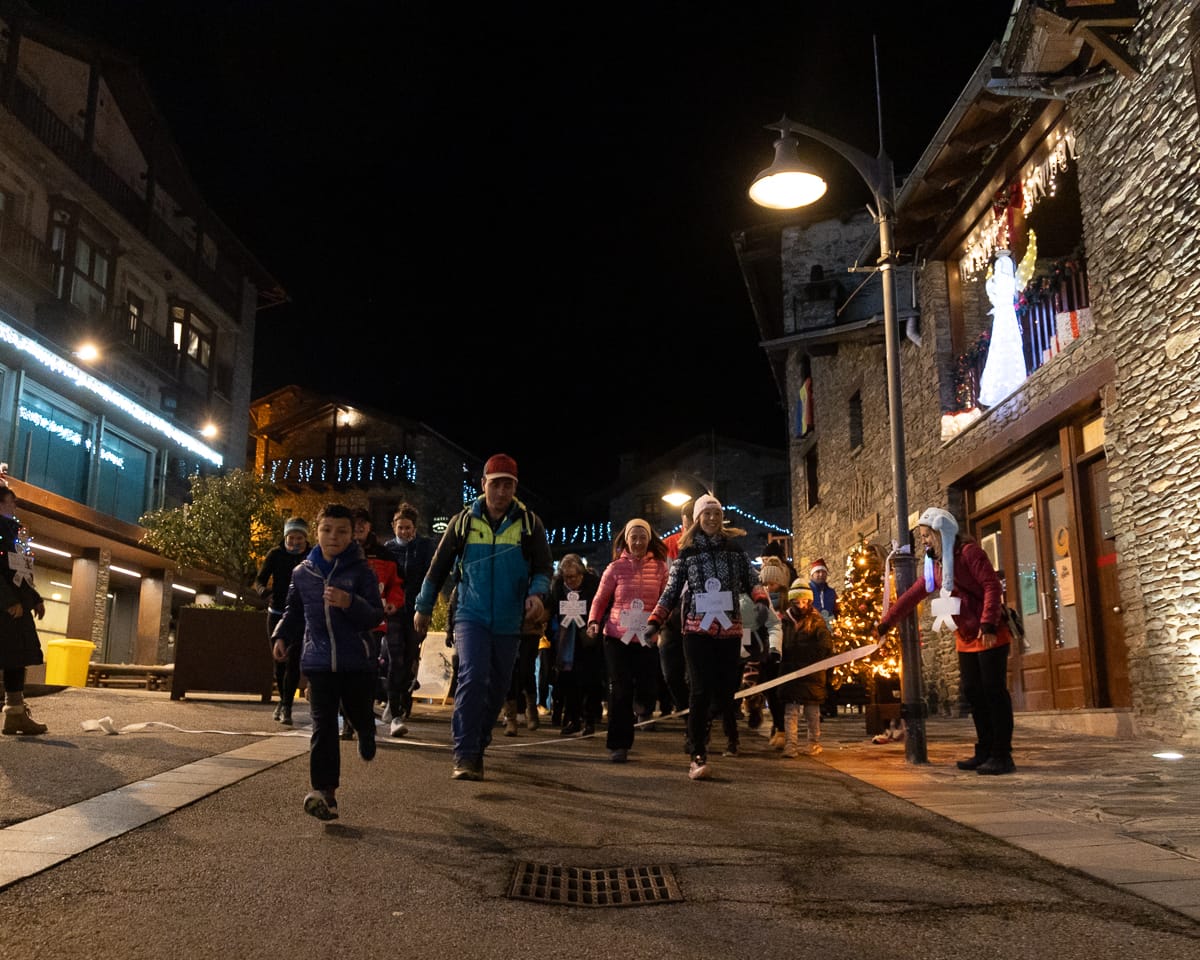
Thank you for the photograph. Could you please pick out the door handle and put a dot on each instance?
(1116, 609)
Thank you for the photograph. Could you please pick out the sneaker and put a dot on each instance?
(589, 729)
(465, 769)
(699, 769)
(971, 763)
(387, 715)
(731, 749)
(778, 740)
(996, 765)
(791, 752)
(542, 710)
(366, 747)
(286, 717)
(18, 721)
(321, 804)
(618, 756)
(815, 750)
(398, 728)
(278, 715)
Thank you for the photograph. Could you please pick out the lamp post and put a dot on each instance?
(785, 185)
(676, 496)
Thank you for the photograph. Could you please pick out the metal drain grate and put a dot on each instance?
(579, 887)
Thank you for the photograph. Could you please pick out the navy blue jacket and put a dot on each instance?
(335, 639)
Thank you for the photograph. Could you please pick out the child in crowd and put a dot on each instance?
(274, 578)
(334, 602)
(806, 640)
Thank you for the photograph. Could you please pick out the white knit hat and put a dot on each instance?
(703, 503)
(944, 523)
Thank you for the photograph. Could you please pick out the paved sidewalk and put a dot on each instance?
(1106, 808)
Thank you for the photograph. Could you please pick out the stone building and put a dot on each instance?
(1070, 160)
(127, 316)
(316, 448)
(750, 480)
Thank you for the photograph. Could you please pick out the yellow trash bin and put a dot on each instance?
(67, 662)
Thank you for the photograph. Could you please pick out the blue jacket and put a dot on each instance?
(498, 569)
(335, 639)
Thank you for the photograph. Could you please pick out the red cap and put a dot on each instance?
(500, 465)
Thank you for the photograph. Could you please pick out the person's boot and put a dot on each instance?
(531, 715)
(285, 714)
(510, 718)
(973, 762)
(278, 715)
(791, 730)
(18, 722)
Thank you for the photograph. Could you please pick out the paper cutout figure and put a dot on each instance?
(714, 604)
(945, 608)
(21, 566)
(634, 620)
(572, 610)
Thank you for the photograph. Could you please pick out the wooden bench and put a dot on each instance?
(139, 675)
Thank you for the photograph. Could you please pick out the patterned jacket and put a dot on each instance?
(707, 558)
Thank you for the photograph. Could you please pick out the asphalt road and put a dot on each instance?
(772, 858)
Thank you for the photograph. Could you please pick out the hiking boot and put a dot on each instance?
(699, 769)
(19, 722)
(321, 804)
(510, 726)
(997, 765)
(531, 718)
(777, 740)
(466, 769)
(618, 756)
(791, 751)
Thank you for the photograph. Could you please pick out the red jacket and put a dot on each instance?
(391, 587)
(976, 584)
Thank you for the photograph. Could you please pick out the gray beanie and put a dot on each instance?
(296, 525)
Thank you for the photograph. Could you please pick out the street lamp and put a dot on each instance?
(676, 496)
(784, 185)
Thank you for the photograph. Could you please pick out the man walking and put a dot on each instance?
(497, 551)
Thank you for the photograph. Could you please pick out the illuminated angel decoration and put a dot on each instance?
(1004, 370)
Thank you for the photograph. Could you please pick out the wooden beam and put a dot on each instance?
(1107, 49)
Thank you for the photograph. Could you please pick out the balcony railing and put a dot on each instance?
(27, 253)
(1054, 311)
(223, 282)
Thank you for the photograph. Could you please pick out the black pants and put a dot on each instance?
(580, 689)
(403, 656)
(355, 693)
(287, 672)
(673, 665)
(632, 680)
(14, 679)
(984, 678)
(714, 672)
(524, 681)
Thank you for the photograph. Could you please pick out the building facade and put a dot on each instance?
(1050, 382)
(127, 315)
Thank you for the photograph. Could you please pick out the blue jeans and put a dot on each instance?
(485, 669)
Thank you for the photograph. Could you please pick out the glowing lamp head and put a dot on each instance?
(787, 183)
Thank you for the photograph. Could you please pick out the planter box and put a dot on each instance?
(222, 651)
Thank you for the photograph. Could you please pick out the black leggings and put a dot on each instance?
(984, 678)
(14, 679)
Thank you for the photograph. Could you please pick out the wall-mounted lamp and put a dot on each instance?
(88, 352)
(209, 430)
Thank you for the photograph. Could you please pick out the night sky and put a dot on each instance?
(514, 223)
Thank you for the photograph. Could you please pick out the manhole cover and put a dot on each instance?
(580, 887)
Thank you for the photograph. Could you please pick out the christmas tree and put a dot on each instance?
(860, 607)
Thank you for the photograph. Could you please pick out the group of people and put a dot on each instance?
(691, 615)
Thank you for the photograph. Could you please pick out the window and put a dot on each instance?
(810, 478)
(775, 490)
(135, 310)
(83, 271)
(349, 444)
(123, 477)
(52, 446)
(651, 510)
(192, 335)
(856, 420)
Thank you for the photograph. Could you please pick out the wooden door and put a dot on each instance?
(1108, 643)
(1062, 599)
(1029, 661)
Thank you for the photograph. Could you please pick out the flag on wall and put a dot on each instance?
(804, 409)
